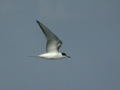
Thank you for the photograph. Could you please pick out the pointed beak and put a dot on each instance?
(68, 56)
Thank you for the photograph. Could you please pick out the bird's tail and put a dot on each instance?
(35, 56)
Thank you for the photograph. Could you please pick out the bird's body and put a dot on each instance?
(53, 45)
(51, 56)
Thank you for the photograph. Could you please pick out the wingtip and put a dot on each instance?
(37, 21)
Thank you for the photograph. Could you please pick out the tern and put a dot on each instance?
(52, 46)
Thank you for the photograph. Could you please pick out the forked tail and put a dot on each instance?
(35, 56)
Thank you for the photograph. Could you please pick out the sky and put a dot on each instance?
(89, 30)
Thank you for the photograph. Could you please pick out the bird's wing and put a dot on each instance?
(53, 42)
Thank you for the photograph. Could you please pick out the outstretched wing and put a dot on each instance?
(53, 42)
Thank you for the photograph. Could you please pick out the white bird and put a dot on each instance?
(53, 45)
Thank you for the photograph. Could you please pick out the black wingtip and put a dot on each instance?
(37, 21)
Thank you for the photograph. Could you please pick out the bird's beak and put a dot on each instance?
(68, 56)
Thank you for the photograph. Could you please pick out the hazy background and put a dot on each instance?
(89, 29)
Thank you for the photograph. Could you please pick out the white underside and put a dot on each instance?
(51, 56)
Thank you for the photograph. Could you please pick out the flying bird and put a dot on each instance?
(52, 46)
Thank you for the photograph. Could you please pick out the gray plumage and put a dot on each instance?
(53, 42)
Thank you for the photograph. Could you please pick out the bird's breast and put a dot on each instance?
(51, 56)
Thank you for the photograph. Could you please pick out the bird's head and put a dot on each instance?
(65, 55)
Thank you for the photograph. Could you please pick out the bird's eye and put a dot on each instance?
(64, 54)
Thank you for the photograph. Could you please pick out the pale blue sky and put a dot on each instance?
(89, 29)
